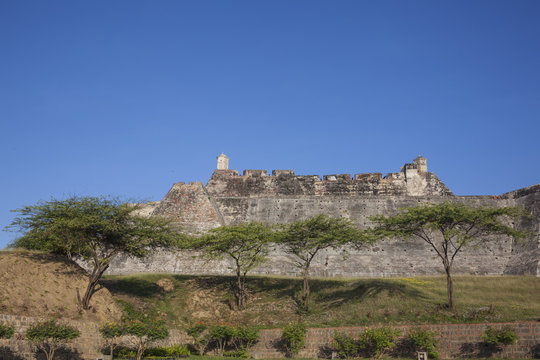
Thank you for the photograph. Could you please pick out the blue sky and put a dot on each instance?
(127, 97)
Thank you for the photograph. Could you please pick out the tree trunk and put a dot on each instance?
(239, 289)
(93, 280)
(140, 351)
(450, 289)
(306, 290)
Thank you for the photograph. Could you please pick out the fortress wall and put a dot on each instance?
(525, 257)
(285, 197)
(390, 257)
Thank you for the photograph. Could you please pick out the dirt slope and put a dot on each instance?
(44, 285)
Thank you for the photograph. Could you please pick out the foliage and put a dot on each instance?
(49, 336)
(145, 327)
(246, 244)
(168, 351)
(244, 337)
(448, 228)
(112, 332)
(499, 338)
(221, 335)
(425, 340)
(304, 239)
(293, 337)
(377, 341)
(345, 346)
(94, 228)
(6, 331)
(198, 332)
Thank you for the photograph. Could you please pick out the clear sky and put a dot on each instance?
(127, 97)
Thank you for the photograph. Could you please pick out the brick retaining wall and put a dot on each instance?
(457, 340)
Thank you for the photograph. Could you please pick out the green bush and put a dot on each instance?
(345, 346)
(111, 332)
(198, 332)
(6, 331)
(244, 337)
(242, 353)
(293, 337)
(222, 336)
(48, 336)
(377, 341)
(125, 352)
(167, 351)
(499, 338)
(425, 340)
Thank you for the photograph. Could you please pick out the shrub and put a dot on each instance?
(500, 338)
(425, 340)
(198, 332)
(293, 337)
(345, 345)
(244, 337)
(48, 336)
(6, 331)
(112, 332)
(144, 327)
(221, 335)
(377, 341)
(168, 351)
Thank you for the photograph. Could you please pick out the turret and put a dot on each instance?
(421, 164)
(222, 162)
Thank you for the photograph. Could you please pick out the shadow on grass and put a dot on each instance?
(368, 289)
(132, 286)
(332, 292)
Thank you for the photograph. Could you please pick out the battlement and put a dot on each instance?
(413, 179)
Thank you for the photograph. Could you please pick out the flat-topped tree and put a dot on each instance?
(304, 239)
(246, 244)
(95, 229)
(449, 228)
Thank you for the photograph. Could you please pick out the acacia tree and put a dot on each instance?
(95, 229)
(246, 244)
(448, 228)
(304, 240)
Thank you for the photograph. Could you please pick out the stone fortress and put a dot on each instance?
(284, 197)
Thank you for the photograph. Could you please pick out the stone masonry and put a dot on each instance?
(284, 197)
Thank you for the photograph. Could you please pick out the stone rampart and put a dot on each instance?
(284, 197)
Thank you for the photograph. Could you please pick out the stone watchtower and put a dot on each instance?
(421, 164)
(222, 162)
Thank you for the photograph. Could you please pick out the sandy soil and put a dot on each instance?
(44, 285)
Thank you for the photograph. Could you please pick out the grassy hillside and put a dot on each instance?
(272, 300)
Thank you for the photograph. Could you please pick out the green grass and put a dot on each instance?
(336, 302)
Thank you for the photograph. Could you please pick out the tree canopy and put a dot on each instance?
(246, 244)
(95, 229)
(449, 228)
(304, 239)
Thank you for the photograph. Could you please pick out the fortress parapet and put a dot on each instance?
(413, 179)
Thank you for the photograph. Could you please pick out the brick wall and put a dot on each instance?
(460, 340)
(456, 340)
(85, 347)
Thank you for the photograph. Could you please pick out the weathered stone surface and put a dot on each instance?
(284, 197)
